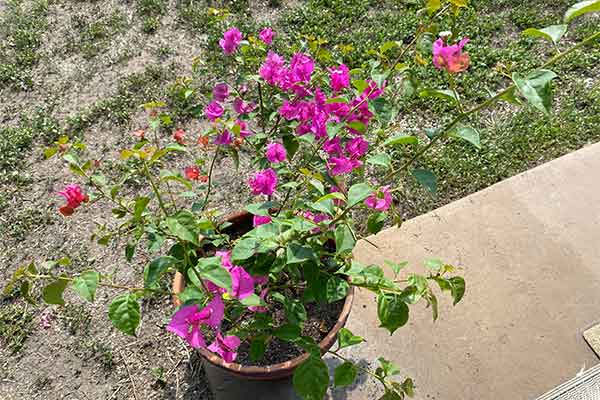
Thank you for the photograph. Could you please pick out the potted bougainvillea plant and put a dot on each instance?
(320, 148)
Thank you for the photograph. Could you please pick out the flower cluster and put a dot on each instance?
(189, 322)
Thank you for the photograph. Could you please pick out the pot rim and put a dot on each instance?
(275, 371)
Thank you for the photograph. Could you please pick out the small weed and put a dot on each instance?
(22, 222)
(151, 11)
(21, 29)
(16, 324)
(76, 318)
(150, 24)
(95, 35)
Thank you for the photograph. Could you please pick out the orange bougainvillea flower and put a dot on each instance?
(451, 57)
(237, 142)
(178, 136)
(139, 133)
(203, 141)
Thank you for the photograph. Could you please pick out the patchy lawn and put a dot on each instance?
(82, 68)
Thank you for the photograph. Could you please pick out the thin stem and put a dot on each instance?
(155, 189)
(262, 109)
(100, 283)
(210, 172)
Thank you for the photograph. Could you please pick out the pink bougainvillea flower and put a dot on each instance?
(302, 67)
(242, 283)
(373, 91)
(260, 309)
(139, 133)
(451, 57)
(357, 147)
(267, 35)
(74, 196)
(339, 77)
(220, 92)
(276, 153)
(225, 259)
(244, 132)
(241, 107)
(213, 111)
(179, 136)
(260, 220)
(225, 347)
(231, 40)
(224, 138)
(342, 165)
(319, 125)
(192, 173)
(272, 70)
(380, 200)
(263, 182)
(260, 280)
(332, 146)
(187, 321)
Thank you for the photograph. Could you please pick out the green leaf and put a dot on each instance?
(375, 222)
(210, 268)
(469, 134)
(357, 126)
(434, 264)
(457, 288)
(85, 284)
(433, 6)
(357, 193)
(296, 253)
(50, 151)
(311, 379)
(291, 145)
(396, 267)
(426, 178)
(53, 293)
(392, 312)
(318, 186)
(536, 88)
(191, 294)
(347, 338)
(156, 268)
(261, 208)
(511, 97)
(130, 250)
(403, 138)
(288, 332)
(336, 289)
(552, 33)
(382, 159)
(388, 367)
(441, 94)
(258, 346)
(124, 313)
(183, 225)
(344, 374)
(344, 240)
(253, 301)
(583, 7)
(244, 249)
(360, 85)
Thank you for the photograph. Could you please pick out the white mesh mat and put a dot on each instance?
(585, 386)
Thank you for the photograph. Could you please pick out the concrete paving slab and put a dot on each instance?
(530, 252)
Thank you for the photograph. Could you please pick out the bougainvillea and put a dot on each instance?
(326, 162)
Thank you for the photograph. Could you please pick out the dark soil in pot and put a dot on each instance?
(321, 319)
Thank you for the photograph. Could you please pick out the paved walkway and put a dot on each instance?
(530, 249)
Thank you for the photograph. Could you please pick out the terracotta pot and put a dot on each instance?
(276, 371)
